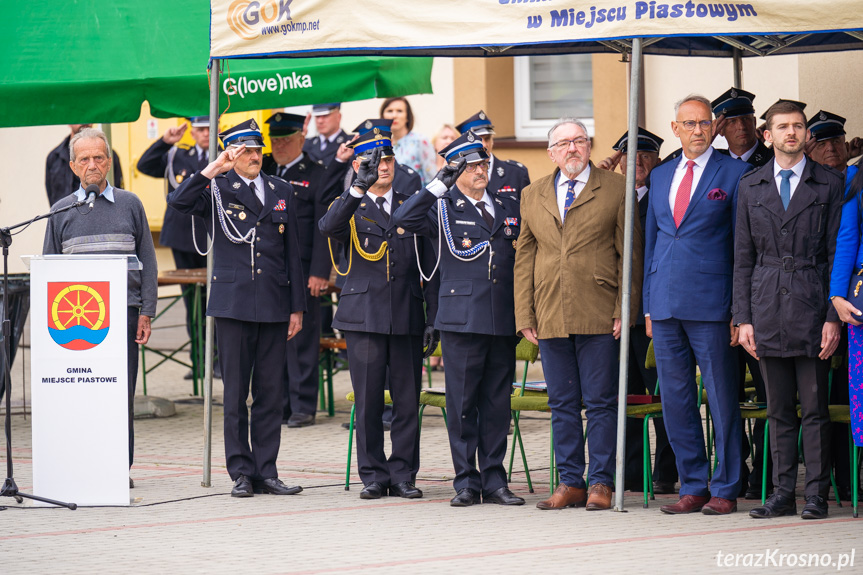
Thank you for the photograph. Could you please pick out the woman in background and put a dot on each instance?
(445, 136)
(412, 149)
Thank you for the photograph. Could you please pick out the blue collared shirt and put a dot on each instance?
(108, 194)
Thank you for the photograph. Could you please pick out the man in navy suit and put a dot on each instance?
(689, 249)
(257, 307)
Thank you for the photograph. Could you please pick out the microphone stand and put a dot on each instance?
(10, 489)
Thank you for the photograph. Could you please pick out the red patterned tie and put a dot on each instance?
(681, 201)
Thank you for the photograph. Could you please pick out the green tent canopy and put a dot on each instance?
(96, 61)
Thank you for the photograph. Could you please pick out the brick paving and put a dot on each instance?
(175, 525)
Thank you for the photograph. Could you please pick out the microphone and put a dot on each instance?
(92, 191)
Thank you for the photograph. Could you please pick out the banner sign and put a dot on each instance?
(260, 27)
(79, 379)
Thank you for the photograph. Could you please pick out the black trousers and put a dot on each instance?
(786, 379)
(643, 380)
(192, 260)
(253, 353)
(747, 478)
(132, 350)
(300, 378)
(370, 357)
(479, 374)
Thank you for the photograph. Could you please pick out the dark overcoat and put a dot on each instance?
(783, 257)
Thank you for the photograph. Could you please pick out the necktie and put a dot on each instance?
(785, 187)
(570, 196)
(489, 220)
(323, 144)
(282, 171)
(202, 160)
(380, 202)
(260, 205)
(681, 201)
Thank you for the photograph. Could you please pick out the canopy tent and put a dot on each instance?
(96, 61)
(285, 28)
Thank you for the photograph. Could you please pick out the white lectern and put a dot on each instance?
(79, 377)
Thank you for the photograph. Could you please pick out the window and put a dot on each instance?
(550, 87)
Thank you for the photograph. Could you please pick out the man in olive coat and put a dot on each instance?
(788, 216)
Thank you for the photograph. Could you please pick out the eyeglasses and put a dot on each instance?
(689, 125)
(474, 167)
(565, 144)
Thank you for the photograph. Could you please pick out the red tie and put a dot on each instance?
(681, 202)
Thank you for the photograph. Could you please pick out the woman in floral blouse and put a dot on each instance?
(412, 149)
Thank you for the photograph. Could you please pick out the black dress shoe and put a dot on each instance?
(465, 498)
(405, 489)
(776, 506)
(301, 420)
(374, 490)
(503, 496)
(242, 487)
(274, 486)
(663, 487)
(815, 508)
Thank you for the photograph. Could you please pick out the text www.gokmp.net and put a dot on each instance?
(775, 558)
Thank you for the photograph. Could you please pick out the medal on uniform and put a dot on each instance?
(236, 185)
(229, 212)
(465, 242)
(179, 178)
(507, 231)
(400, 231)
(281, 228)
(242, 215)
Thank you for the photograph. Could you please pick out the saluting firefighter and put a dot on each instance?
(505, 177)
(175, 162)
(257, 298)
(476, 314)
(381, 314)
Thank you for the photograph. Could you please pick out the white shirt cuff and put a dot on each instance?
(437, 187)
(355, 193)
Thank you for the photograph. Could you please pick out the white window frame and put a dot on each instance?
(527, 128)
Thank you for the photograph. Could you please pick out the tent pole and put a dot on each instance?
(737, 59)
(631, 144)
(208, 348)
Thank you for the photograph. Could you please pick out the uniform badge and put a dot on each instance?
(410, 170)
(340, 139)
(499, 171)
(362, 205)
(366, 243)
(229, 212)
(482, 115)
(514, 242)
(281, 228)
(272, 185)
(242, 215)
(470, 137)
(822, 116)
(401, 202)
(253, 125)
(400, 231)
(733, 93)
(236, 185)
(459, 203)
(192, 152)
(278, 117)
(280, 206)
(465, 242)
(510, 222)
(498, 201)
(507, 231)
(368, 125)
(179, 178)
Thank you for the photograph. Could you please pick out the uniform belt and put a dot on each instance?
(786, 263)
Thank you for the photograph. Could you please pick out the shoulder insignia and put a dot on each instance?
(272, 186)
(410, 170)
(236, 185)
(519, 164)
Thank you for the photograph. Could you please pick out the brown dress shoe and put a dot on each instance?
(598, 497)
(564, 496)
(686, 504)
(719, 506)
